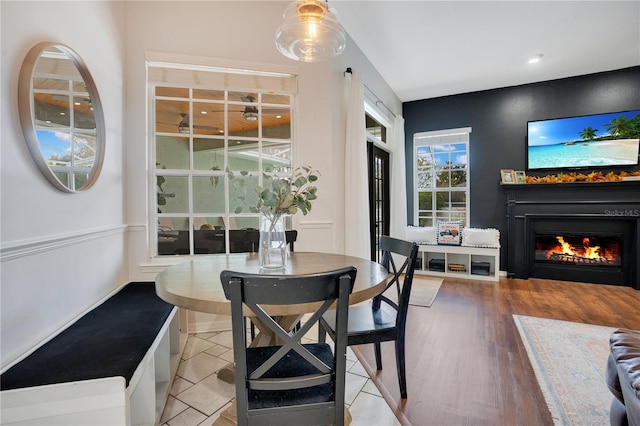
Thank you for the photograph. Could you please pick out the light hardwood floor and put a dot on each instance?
(466, 364)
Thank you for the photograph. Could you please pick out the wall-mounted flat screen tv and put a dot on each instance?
(601, 140)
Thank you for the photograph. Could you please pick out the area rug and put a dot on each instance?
(423, 291)
(569, 360)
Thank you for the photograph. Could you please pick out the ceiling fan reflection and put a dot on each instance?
(183, 126)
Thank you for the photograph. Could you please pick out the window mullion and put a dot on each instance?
(226, 109)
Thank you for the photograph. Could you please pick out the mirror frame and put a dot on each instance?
(27, 114)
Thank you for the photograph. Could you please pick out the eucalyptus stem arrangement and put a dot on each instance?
(279, 195)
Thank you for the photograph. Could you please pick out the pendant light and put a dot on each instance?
(310, 32)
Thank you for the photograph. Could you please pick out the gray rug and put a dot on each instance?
(569, 360)
(423, 291)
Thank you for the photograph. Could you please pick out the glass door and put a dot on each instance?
(378, 164)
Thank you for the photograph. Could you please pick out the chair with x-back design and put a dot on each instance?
(295, 383)
(385, 320)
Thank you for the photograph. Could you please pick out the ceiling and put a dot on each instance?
(425, 49)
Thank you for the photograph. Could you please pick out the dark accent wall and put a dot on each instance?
(498, 119)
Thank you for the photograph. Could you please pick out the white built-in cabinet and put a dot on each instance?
(478, 263)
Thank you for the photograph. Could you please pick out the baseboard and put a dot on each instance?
(372, 372)
(209, 326)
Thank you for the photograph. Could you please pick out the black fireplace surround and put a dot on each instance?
(567, 265)
(596, 210)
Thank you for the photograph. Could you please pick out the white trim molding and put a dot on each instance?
(23, 248)
(316, 224)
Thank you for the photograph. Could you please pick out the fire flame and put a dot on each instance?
(587, 252)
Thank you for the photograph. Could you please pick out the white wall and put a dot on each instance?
(60, 252)
(42, 290)
(243, 32)
(238, 32)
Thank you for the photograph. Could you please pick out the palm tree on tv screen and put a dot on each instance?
(622, 127)
(588, 134)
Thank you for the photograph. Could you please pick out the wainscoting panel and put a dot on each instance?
(47, 283)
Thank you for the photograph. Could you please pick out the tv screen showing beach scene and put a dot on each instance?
(602, 140)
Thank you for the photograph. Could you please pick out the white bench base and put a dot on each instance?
(104, 401)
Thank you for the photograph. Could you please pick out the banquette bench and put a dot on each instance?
(449, 250)
(114, 365)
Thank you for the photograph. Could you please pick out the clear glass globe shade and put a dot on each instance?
(310, 32)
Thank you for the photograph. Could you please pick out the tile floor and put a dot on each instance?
(198, 397)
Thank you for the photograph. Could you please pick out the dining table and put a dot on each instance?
(195, 285)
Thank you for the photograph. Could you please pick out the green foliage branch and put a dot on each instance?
(279, 195)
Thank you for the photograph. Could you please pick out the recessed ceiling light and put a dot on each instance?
(536, 58)
(203, 112)
(278, 116)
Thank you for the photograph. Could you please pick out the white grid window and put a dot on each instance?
(202, 129)
(441, 176)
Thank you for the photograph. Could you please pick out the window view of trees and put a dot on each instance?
(441, 182)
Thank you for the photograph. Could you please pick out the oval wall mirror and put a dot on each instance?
(61, 116)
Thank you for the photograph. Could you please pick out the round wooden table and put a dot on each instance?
(195, 284)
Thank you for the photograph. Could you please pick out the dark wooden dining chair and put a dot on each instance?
(385, 320)
(295, 383)
(252, 237)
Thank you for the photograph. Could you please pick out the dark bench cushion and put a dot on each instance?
(108, 341)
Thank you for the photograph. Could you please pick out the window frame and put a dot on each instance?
(192, 171)
(440, 138)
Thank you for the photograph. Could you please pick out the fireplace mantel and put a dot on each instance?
(573, 186)
(619, 199)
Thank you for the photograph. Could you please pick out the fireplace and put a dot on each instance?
(588, 250)
(580, 248)
(586, 232)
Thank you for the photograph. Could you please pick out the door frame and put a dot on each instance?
(376, 152)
